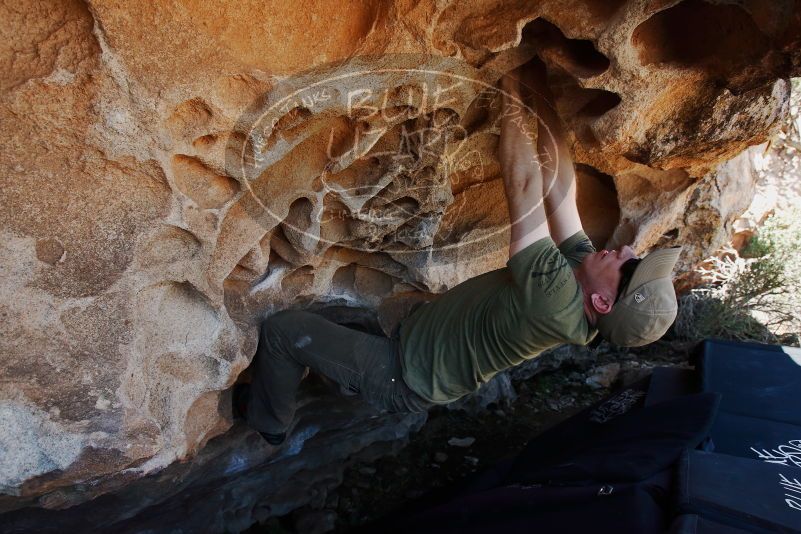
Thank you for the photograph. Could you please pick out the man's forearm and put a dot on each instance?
(521, 173)
(558, 173)
(517, 150)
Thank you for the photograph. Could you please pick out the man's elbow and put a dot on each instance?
(523, 181)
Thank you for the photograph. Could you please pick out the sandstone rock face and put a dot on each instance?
(173, 171)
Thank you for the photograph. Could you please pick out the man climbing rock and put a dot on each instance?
(555, 289)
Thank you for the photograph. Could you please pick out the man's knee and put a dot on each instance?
(283, 326)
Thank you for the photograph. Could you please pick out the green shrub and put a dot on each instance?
(756, 296)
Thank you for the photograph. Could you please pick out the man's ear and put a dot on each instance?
(601, 304)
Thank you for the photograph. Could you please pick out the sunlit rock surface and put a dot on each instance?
(173, 171)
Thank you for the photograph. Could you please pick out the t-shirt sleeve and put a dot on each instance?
(542, 278)
(576, 247)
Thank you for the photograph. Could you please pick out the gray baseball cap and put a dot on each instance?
(648, 306)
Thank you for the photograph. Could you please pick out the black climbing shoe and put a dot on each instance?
(239, 399)
(239, 410)
(273, 439)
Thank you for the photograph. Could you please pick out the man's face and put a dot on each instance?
(603, 269)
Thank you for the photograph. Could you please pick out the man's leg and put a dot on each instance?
(290, 341)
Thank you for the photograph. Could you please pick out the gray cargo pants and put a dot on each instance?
(364, 363)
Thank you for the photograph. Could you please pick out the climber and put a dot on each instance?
(555, 289)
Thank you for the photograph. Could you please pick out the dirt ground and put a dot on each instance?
(372, 490)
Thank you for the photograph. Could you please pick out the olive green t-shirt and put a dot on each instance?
(496, 320)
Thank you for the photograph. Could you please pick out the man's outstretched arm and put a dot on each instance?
(522, 177)
(558, 173)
